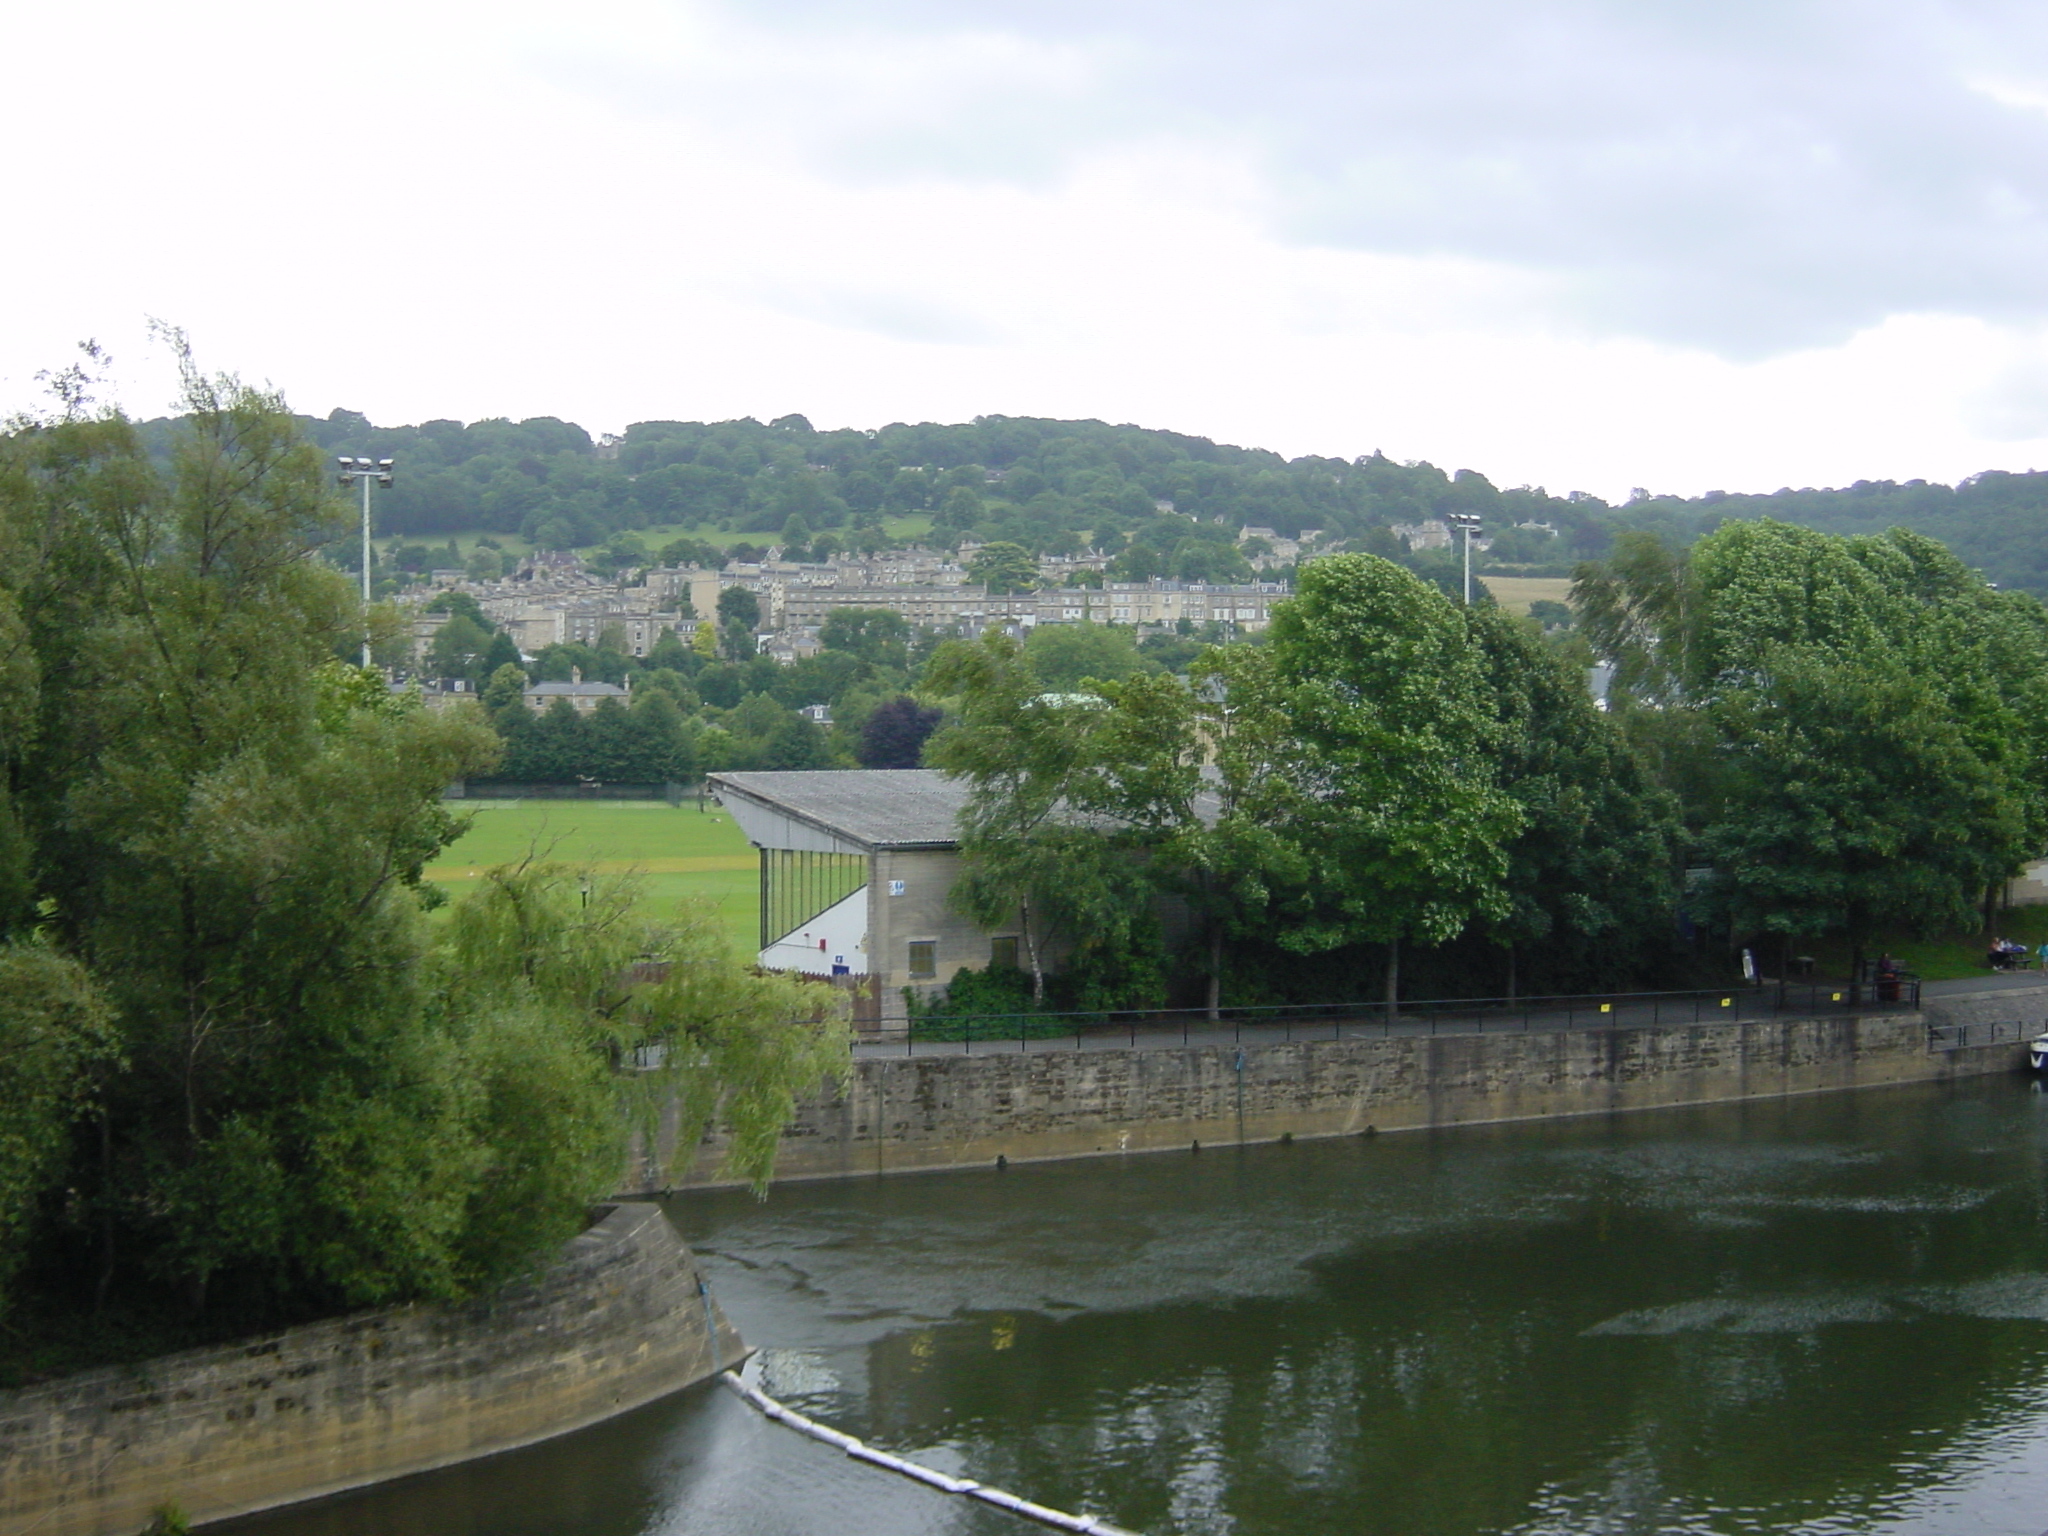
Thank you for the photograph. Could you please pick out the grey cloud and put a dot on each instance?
(1745, 176)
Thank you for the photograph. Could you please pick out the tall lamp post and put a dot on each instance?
(379, 472)
(1466, 522)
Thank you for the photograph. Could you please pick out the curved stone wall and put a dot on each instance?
(621, 1319)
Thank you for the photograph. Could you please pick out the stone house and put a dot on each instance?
(583, 697)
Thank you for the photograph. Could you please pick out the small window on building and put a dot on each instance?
(1003, 952)
(924, 957)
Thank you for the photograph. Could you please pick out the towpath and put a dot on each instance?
(1621, 1011)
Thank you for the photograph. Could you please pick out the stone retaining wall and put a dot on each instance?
(619, 1321)
(944, 1111)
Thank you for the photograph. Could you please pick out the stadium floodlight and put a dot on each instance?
(1469, 524)
(368, 472)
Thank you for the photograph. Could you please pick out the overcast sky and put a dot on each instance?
(1587, 244)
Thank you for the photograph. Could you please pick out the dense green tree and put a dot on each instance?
(59, 1048)
(1004, 567)
(738, 606)
(722, 685)
(460, 603)
(878, 636)
(227, 829)
(505, 689)
(1194, 833)
(1591, 879)
(1171, 652)
(680, 552)
(1866, 734)
(1213, 560)
(299, 1097)
(1022, 753)
(672, 683)
(502, 652)
(1390, 798)
(820, 679)
(1141, 562)
(795, 743)
(671, 653)
(460, 648)
(1064, 656)
(598, 664)
(738, 642)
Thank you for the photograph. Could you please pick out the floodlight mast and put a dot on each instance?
(366, 471)
(1469, 524)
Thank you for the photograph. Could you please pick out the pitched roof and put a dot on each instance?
(575, 690)
(874, 807)
(869, 808)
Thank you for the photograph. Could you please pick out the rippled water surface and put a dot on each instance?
(1817, 1316)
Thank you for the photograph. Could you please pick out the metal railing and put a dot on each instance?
(1957, 1037)
(1288, 1022)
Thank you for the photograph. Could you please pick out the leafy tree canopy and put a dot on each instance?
(1867, 739)
(738, 607)
(1064, 656)
(231, 1038)
(895, 733)
(1004, 567)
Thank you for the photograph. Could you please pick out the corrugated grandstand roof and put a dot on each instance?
(876, 807)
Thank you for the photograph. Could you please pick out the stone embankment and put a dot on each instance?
(950, 1111)
(622, 1319)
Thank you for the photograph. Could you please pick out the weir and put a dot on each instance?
(622, 1318)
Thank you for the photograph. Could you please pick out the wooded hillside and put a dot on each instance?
(1058, 486)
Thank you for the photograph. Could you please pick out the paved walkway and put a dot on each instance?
(1427, 1018)
(1995, 981)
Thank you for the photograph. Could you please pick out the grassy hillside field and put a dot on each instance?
(679, 851)
(1516, 593)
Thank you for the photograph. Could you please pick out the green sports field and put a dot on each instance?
(679, 851)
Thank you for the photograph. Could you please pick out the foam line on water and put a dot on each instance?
(781, 1413)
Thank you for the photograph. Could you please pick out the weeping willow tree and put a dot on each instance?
(622, 1015)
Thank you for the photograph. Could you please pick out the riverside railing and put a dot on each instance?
(1378, 1020)
(1958, 1037)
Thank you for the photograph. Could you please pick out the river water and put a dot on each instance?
(1819, 1315)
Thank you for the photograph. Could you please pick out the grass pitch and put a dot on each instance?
(679, 851)
(1516, 593)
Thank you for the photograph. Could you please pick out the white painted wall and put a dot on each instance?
(2031, 888)
(839, 934)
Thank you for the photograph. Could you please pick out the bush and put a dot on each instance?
(993, 1004)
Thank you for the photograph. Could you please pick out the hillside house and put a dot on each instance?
(583, 697)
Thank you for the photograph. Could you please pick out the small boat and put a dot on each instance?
(2037, 1053)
